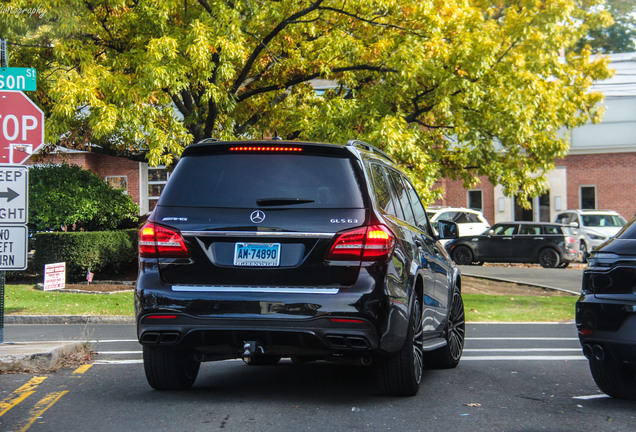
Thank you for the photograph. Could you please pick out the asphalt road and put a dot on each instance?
(512, 377)
(568, 279)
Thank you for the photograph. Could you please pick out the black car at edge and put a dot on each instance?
(549, 244)
(606, 314)
(267, 249)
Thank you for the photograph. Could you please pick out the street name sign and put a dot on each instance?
(21, 127)
(19, 79)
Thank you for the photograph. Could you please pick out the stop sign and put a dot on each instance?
(21, 127)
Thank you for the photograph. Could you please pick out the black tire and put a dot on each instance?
(614, 378)
(263, 360)
(583, 251)
(549, 258)
(462, 255)
(400, 374)
(448, 356)
(168, 369)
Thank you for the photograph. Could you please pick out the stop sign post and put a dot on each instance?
(21, 127)
(21, 134)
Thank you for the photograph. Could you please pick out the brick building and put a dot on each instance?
(143, 183)
(599, 171)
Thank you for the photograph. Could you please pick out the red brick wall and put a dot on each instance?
(613, 174)
(104, 166)
(455, 195)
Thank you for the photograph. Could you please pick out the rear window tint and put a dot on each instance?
(555, 229)
(240, 180)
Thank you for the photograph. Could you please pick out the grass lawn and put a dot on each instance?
(26, 300)
(506, 308)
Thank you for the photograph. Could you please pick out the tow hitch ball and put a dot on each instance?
(250, 349)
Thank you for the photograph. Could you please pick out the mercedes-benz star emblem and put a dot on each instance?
(257, 216)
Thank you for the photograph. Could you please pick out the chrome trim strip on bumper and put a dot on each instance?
(285, 234)
(268, 290)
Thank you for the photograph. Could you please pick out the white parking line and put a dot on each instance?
(522, 339)
(521, 349)
(522, 358)
(596, 396)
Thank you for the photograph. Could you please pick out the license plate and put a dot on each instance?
(257, 254)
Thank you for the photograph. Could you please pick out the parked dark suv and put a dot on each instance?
(551, 245)
(606, 314)
(270, 249)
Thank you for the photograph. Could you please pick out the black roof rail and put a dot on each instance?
(368, 147)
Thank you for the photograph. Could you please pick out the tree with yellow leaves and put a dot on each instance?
(450, 88)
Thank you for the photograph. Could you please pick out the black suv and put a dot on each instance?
(270, 249)
(606, 314)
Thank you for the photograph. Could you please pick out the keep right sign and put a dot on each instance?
(14, 188)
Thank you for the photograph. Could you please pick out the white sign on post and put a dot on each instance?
(54, 276)
(14, 188)
(13, 253)
(14, 213)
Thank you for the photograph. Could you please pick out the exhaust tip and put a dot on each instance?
(598, 352)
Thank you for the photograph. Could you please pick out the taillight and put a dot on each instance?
(156, 241)
(570, 243)
(372, 243)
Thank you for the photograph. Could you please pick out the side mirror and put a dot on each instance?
(574, 224)
(447, 230)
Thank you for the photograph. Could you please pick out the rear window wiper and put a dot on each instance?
(282, 201)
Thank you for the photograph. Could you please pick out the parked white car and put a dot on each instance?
(470, 222)
(593, 227)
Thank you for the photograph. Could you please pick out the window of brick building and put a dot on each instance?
(475, 200)
(118, 182)
(157, 178)
(588, 197)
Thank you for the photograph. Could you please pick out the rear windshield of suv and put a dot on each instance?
(263, 180)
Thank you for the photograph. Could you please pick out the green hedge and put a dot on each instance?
(105, 253)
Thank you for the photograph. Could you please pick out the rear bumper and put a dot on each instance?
(570, 255)
(285, 321)
(226, 337)
(607, 327)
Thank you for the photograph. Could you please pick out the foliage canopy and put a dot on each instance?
(620, 37)
(451, 88)
(67, 197)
